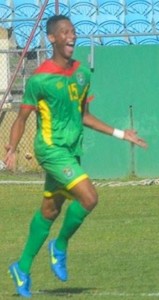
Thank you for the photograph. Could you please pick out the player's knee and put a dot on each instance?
(91, 200)
(49, 209)
(50, 214)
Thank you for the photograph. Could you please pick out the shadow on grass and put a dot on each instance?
(63, 292)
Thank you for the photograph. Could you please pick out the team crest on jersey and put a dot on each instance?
(80, 78)
(59, 85)
(68, 172)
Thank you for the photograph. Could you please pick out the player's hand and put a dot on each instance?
(131, 136)
(10, 158)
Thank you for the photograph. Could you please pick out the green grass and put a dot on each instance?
(114, 255)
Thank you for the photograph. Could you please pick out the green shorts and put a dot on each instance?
(63, 171)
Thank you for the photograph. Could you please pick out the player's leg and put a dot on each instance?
(65, 168)
(38, 232)
(86, 199)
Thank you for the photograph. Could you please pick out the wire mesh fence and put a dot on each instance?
(9, 58)
(21, 51)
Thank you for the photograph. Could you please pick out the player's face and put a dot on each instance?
(64, 39)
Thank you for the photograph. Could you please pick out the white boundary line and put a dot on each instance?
(97, 183)
(27, 182)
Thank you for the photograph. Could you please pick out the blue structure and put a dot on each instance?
(143, 7)
(84, 7)
(112, 18)
(22, 32)
(25, 15)
(5, 14)
(29, 9)
(110, 25)
(144, 40)
(156, 20)
(112, 7)
(155, 5)
(84, 25)
(86, 28)
(114, 41)
(50, 10)
(136, 23)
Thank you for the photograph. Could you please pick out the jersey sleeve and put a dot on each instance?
(90, 96)
(31, 94)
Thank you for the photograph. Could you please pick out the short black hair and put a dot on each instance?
(52, 22)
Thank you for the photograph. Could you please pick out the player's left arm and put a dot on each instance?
(130, 135)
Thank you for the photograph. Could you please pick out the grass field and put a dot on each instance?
(115, 254)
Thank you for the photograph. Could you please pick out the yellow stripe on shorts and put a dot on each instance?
(76, 181)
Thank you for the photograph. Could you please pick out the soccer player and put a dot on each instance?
(59, 92)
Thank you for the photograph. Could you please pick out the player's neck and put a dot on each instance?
(62, 62)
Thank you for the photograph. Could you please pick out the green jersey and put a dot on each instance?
(58, 95)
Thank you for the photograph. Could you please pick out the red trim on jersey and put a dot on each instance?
(28, 106)
(89, 99)
(50, 67)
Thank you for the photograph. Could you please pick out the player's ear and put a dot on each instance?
(51, 38)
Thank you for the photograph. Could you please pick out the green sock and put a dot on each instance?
(39, 231)
(74, 217)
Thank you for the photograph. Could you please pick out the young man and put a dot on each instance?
(59, 92)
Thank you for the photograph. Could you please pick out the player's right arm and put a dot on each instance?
(16, 134)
